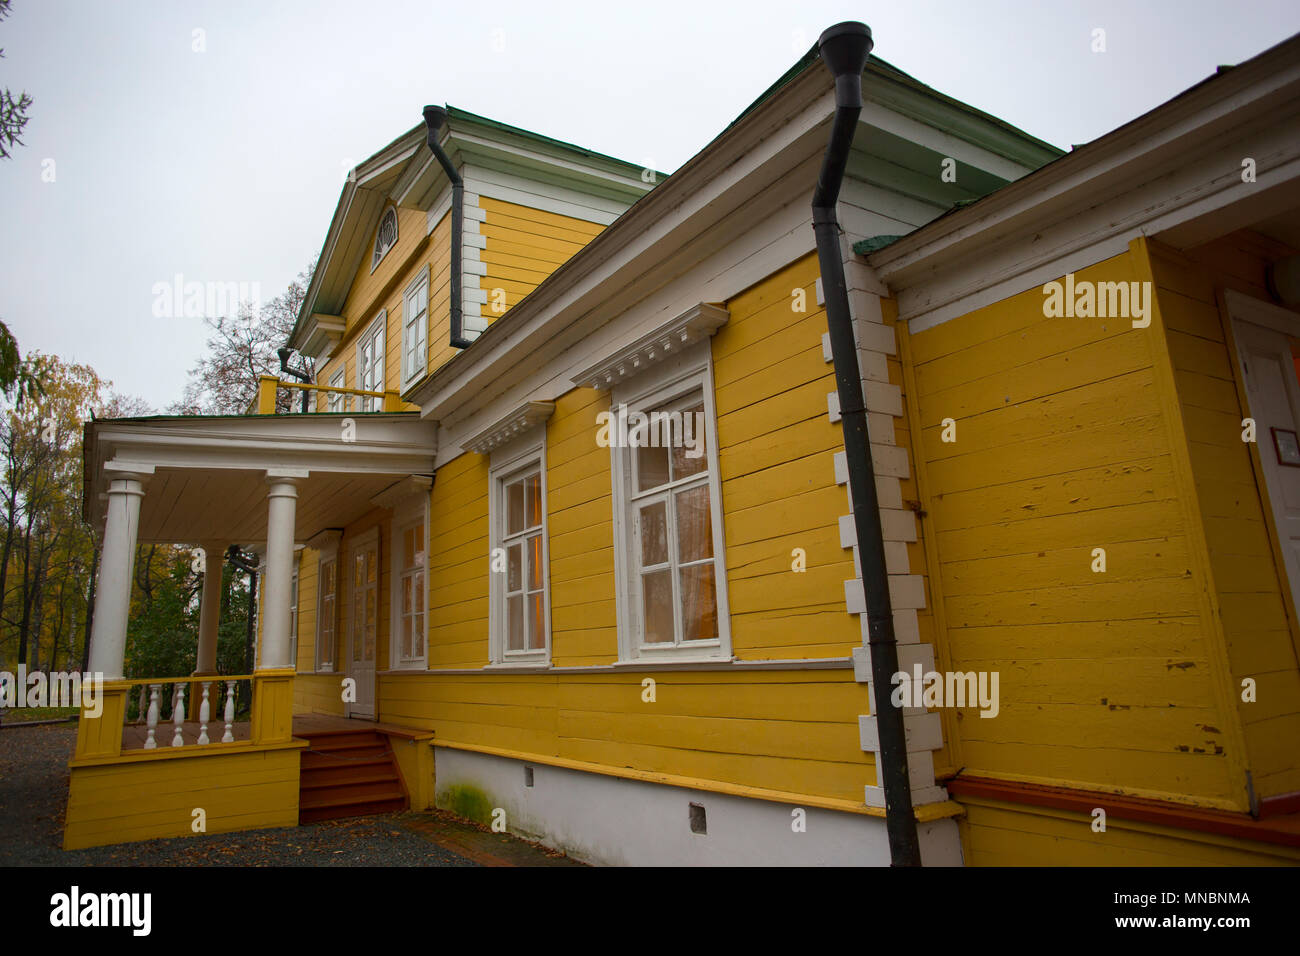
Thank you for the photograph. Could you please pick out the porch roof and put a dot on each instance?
(207, 475)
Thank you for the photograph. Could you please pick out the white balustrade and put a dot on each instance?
(142, 706)
(229, 736)
(204, 713)
(178, 714)
(203, 703)
(151, 720)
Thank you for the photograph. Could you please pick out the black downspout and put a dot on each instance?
(844, 49)
(434, 118)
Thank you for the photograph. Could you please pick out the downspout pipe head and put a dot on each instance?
(435, 117)
(844, 49)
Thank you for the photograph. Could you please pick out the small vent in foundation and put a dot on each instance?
(528, 776)
(698, 822)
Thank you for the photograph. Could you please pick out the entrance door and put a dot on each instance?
(1264, 334)
(363, 623)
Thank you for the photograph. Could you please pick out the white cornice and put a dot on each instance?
(508, 427)
(402, 491)
(668, 340)
(1174, 171)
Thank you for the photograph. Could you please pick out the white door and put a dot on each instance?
(1273, 392)
(363, 624)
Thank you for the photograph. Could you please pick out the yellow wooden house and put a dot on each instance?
(487, 588)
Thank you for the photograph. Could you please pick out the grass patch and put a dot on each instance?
(21, 715)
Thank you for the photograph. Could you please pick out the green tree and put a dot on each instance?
(13, 109)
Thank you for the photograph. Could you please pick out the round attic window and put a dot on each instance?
(386, 237)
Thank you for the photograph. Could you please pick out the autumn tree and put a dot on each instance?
(240, 350)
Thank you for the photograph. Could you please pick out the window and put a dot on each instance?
(385, 237)
(327, 613)
(338, 380)
(524, 591)
(370, 363)
(411, 585)
(672, 586)
(415, 323)
(520, 612)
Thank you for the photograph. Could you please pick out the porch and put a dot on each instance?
(207, 752)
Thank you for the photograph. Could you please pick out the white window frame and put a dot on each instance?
(379, 251)
(523, 454)
(662, 383)
(415, 509)
(327, 555)
(374, 334)
(415, 327)
(337, 400)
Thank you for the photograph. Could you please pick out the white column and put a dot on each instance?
(277, 584)
(210, 607)
(116, 571)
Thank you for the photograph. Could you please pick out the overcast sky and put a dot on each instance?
(219, 155)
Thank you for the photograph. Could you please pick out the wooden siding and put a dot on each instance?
(996, 833)
(523, 246)
(153, 797)
(791, 731)
(1250, 581)
(1108, 681)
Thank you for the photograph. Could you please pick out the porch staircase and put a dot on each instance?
(348, 773)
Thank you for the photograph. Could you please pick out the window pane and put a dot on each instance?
(533, 499)
(536, 622)
(408, 548)
(699, 603)
(406, 639)
(651, 468)
(688, 450)
(417, 592)
(654, 534)
(514, 570)
(515, 623)
(419, 635)
(406, 595)
(657, 607)
(515, 507)
(694, 527)
(535, 563)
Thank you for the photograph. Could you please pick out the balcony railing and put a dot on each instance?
(192, 706)
(268, 389)
(141, 716)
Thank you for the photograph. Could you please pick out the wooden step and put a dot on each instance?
(348, 773)
(345, 773)
(317, 814)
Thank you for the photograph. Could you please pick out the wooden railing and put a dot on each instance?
(150, 703)
(268, 387)
(147, 716)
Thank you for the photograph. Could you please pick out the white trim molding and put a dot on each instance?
(689, 370)
(509, 427)
(673, 337)
(512, 460)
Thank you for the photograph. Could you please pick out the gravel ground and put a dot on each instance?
(34, 793)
